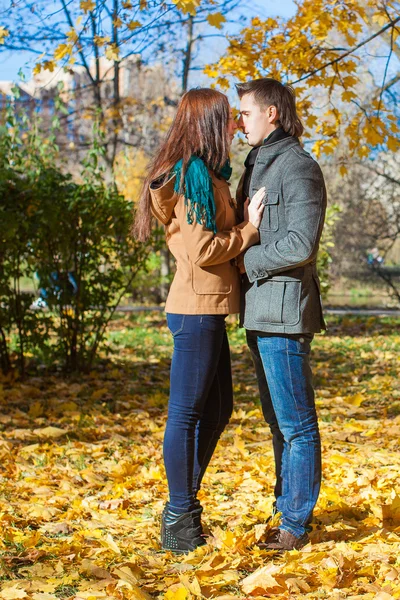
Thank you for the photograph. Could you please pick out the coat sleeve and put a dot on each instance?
(305, 203)
(206, 248)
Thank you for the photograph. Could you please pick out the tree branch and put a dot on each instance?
(385, 73)
(71, 24)
(342, 56)
(377, 172)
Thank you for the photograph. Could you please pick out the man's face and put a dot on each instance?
(255, 122)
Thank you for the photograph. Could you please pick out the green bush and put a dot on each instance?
(51, 225)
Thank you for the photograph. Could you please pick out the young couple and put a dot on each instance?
(273, 240)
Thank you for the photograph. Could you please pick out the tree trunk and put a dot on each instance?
(5, 362)
(187, 55)
(116, 97)
(96, 83)
(165, 271)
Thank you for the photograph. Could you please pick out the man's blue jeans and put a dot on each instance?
(200, 403)
(287, 398)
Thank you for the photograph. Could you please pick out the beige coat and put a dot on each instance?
(207, 280)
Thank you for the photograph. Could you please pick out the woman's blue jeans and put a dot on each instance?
(287, 397)
(200, 403)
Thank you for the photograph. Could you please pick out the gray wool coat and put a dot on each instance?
(281, 293)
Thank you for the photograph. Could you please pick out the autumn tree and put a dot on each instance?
(340, 59)
(369, 199)
(188, 35)
(105, 41)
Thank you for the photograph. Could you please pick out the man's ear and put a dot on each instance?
(273, 115)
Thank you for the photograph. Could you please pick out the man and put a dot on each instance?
(282, 307)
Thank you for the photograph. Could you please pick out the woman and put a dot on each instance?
(187, 190)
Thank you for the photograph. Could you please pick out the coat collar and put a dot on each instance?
(279, 147)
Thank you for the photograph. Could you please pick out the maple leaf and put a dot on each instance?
(216, 20)
(87, 5)
(62, 50)
(112, 52)
(13, 592)
(49, 65)
(132, 25)
(177, 593)
(355, 400)
(72, 35)
(50, 432)
(101, 40)
(187, 6)
(261, 581)
(3, 34)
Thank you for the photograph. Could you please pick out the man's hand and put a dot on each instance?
(253, 210)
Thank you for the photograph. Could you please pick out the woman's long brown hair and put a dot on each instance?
(200, 129)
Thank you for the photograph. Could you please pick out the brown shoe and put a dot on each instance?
(280, 540)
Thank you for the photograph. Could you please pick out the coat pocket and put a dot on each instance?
(215, 280)
(277, 301)
(270, 219)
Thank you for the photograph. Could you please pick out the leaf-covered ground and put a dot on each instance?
(82, 479)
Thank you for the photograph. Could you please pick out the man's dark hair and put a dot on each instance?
(267, 92)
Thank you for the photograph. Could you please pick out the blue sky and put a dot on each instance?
(12, 62)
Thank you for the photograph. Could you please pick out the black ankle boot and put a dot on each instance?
(181, 533)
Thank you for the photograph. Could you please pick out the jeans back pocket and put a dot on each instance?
(175, 323)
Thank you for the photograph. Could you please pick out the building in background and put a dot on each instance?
(147, 99)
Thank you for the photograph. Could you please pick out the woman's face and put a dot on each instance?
(232, 127)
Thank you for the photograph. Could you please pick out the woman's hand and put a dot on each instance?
(253, 210)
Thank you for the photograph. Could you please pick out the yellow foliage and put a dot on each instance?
(101, 40)
(216, 20)
(83, 493)
(112, 52)
(355, 400)
(62, 50)
(187, 6)
(13, 592)
(262, 581)
(132, 25)
(348, 95)
(301, 51)
(3, 34)
(87, 5)
(72, 35)
(393, 143)
(130, 172)
(177, 593)
(49, 65)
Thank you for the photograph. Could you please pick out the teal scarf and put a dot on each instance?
(198, 191)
